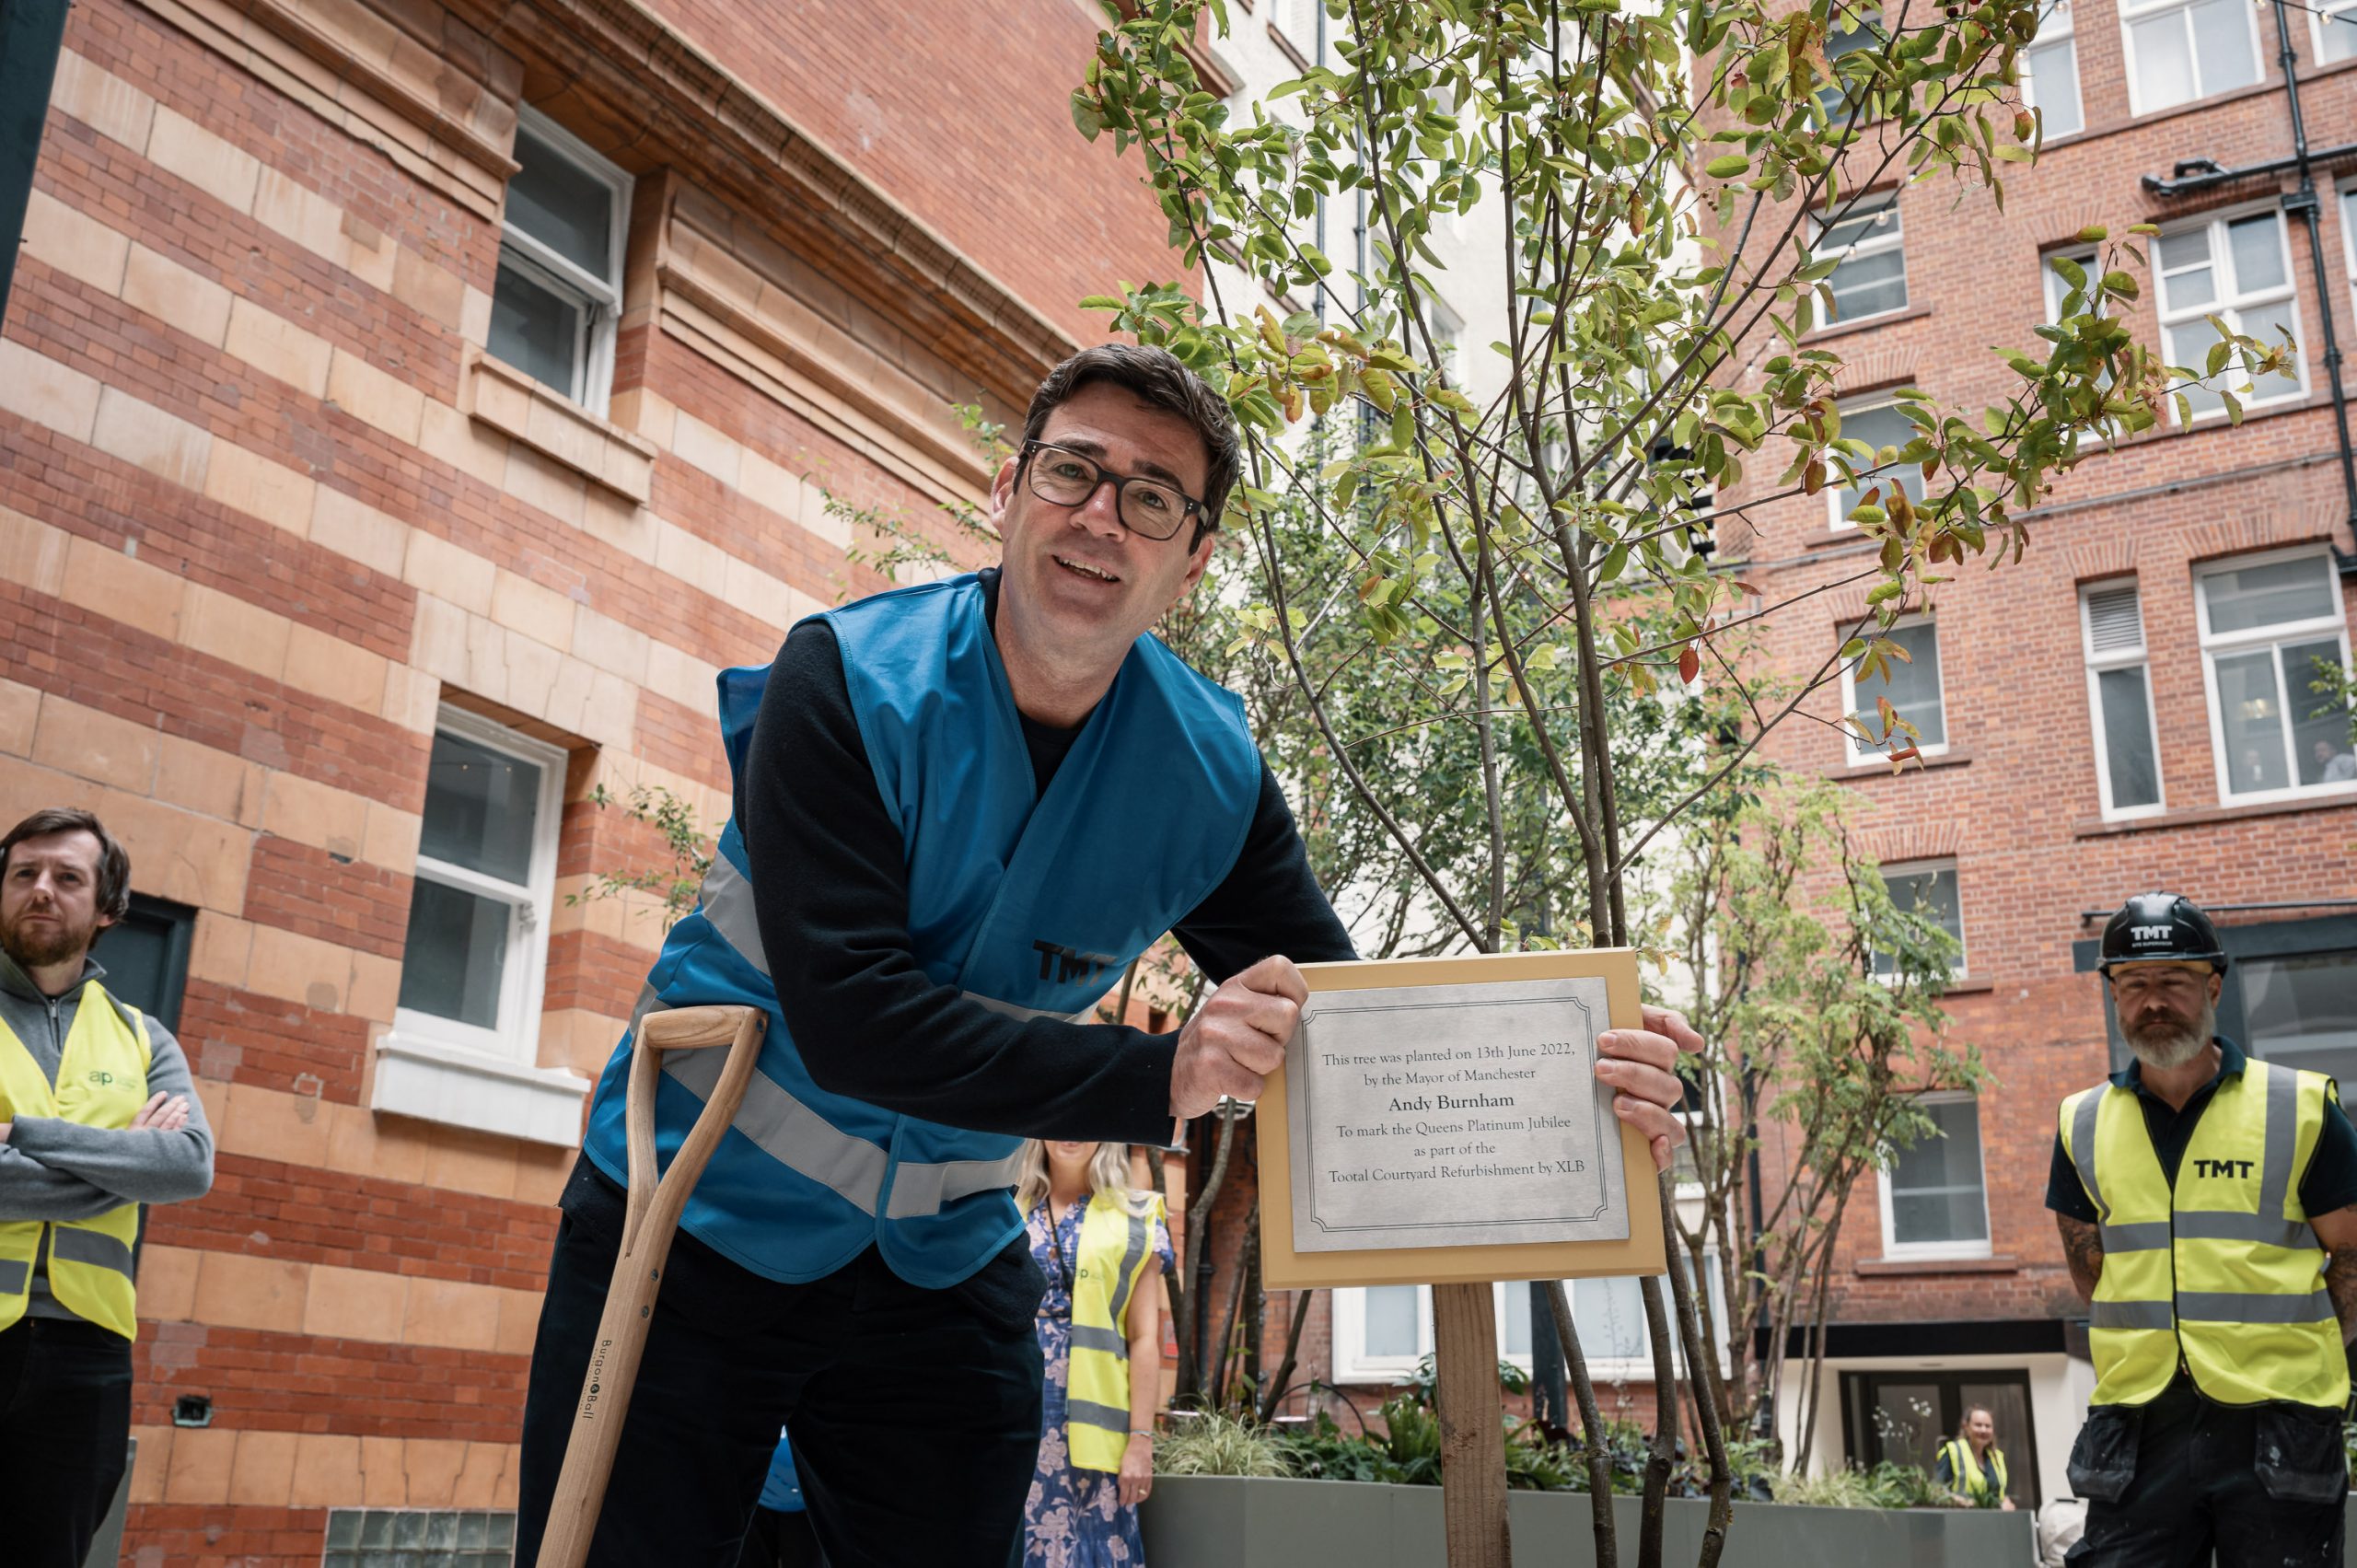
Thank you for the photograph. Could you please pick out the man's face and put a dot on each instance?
(2167, 1011)
(49, 898)
(1083, 580)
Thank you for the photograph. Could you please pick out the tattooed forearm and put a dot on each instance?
(2340, 1279)
(2083, 1248)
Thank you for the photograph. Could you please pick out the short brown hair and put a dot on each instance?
(1158, 377)
(114, 865)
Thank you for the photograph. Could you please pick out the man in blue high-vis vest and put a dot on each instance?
(961, 809)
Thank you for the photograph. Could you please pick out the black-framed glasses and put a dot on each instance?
(1149, 508)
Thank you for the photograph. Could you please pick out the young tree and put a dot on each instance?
(1820, 997)
(1649, 170)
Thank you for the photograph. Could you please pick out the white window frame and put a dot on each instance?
(2348, 193)
(600, 299)
(524, 977)
(2101, 664)
(1892, 1246)
(2131, 12)
(2058, 290)
(1873, 244)
(1946, 862)
(2215, 643)
(1835, 520)
(2231, 303)
(2056, 25)
(2320, 14)
(1352, 1365)
(1859, 756)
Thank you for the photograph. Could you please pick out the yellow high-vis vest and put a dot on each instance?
(101, 1081)
(2222, 1272)
(1970, 1478)
(1114, 1260)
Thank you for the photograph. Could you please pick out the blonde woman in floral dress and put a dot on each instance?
(1104, 1249)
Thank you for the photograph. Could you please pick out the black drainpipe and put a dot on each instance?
(2303, 203)
(2202, 174)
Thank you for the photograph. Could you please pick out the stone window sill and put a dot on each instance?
(560, 429)
(2004, 1263)
(462, 1088)
(1954, 757)
(2202, 815)
(1865, 324)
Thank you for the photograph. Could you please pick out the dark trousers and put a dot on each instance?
(2215, 1478)
(64, 1426)
(782, 1539)
(915, 1413)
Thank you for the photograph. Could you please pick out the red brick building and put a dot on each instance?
(2124, 709)
(406, 409)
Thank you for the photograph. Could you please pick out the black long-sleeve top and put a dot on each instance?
(830, 891)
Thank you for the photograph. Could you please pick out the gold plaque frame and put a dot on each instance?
(1642, 1253)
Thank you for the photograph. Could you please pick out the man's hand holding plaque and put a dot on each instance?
(1238, 1038)
(1642, 1068)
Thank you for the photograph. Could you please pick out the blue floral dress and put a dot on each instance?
(1073, 1518)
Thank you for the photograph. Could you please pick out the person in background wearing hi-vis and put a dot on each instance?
(98, 1115)
(1971, 1466)
(2208, 1205)
(1104, 1249)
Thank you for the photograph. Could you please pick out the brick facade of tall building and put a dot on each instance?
(406, 410)
(2101, 718)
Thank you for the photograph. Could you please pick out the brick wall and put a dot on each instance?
(259, 520)
(2015, 801)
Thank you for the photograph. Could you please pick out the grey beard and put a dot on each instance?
(2174, 1048)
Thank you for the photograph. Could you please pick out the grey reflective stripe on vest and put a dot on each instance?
(2271, 1231)
(2282, 1142)
(2082, 1146)
(2247, 1306)
(2145, 1236)
(790, 1131)
(69, 1244)
(14, 1275)
(1088, 1412)
(1088, 1336)
(1132, 1250)
(727, 902)
(2130, 1314)
(924, 1189)
(802, 1140)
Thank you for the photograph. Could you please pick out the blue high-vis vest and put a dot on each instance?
(1028, 904)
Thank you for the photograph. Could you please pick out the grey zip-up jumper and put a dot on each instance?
(55, 1169)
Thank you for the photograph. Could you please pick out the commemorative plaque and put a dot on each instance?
(1440, 1121)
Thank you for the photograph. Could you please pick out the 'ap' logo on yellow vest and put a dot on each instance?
(101, 1077)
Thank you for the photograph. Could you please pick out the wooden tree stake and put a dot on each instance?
(1472, 1457)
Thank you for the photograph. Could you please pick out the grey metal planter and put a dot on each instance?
(1226, 1522)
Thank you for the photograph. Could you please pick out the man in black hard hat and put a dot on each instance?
(2208, 1205)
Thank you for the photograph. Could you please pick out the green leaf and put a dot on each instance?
(1728, 166)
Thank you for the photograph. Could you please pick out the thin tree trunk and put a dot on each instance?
(1599, 1459)
(1663, 1451)
(1235, 1306)
(1277, 1385)
(1187, 1306)
(1706, 1399)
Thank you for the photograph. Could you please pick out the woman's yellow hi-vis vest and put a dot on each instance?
(1970, 1478)
(2224, 1271)
(1115, 1256)
(101, 1081)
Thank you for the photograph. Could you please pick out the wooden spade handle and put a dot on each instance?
(650, 1221)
